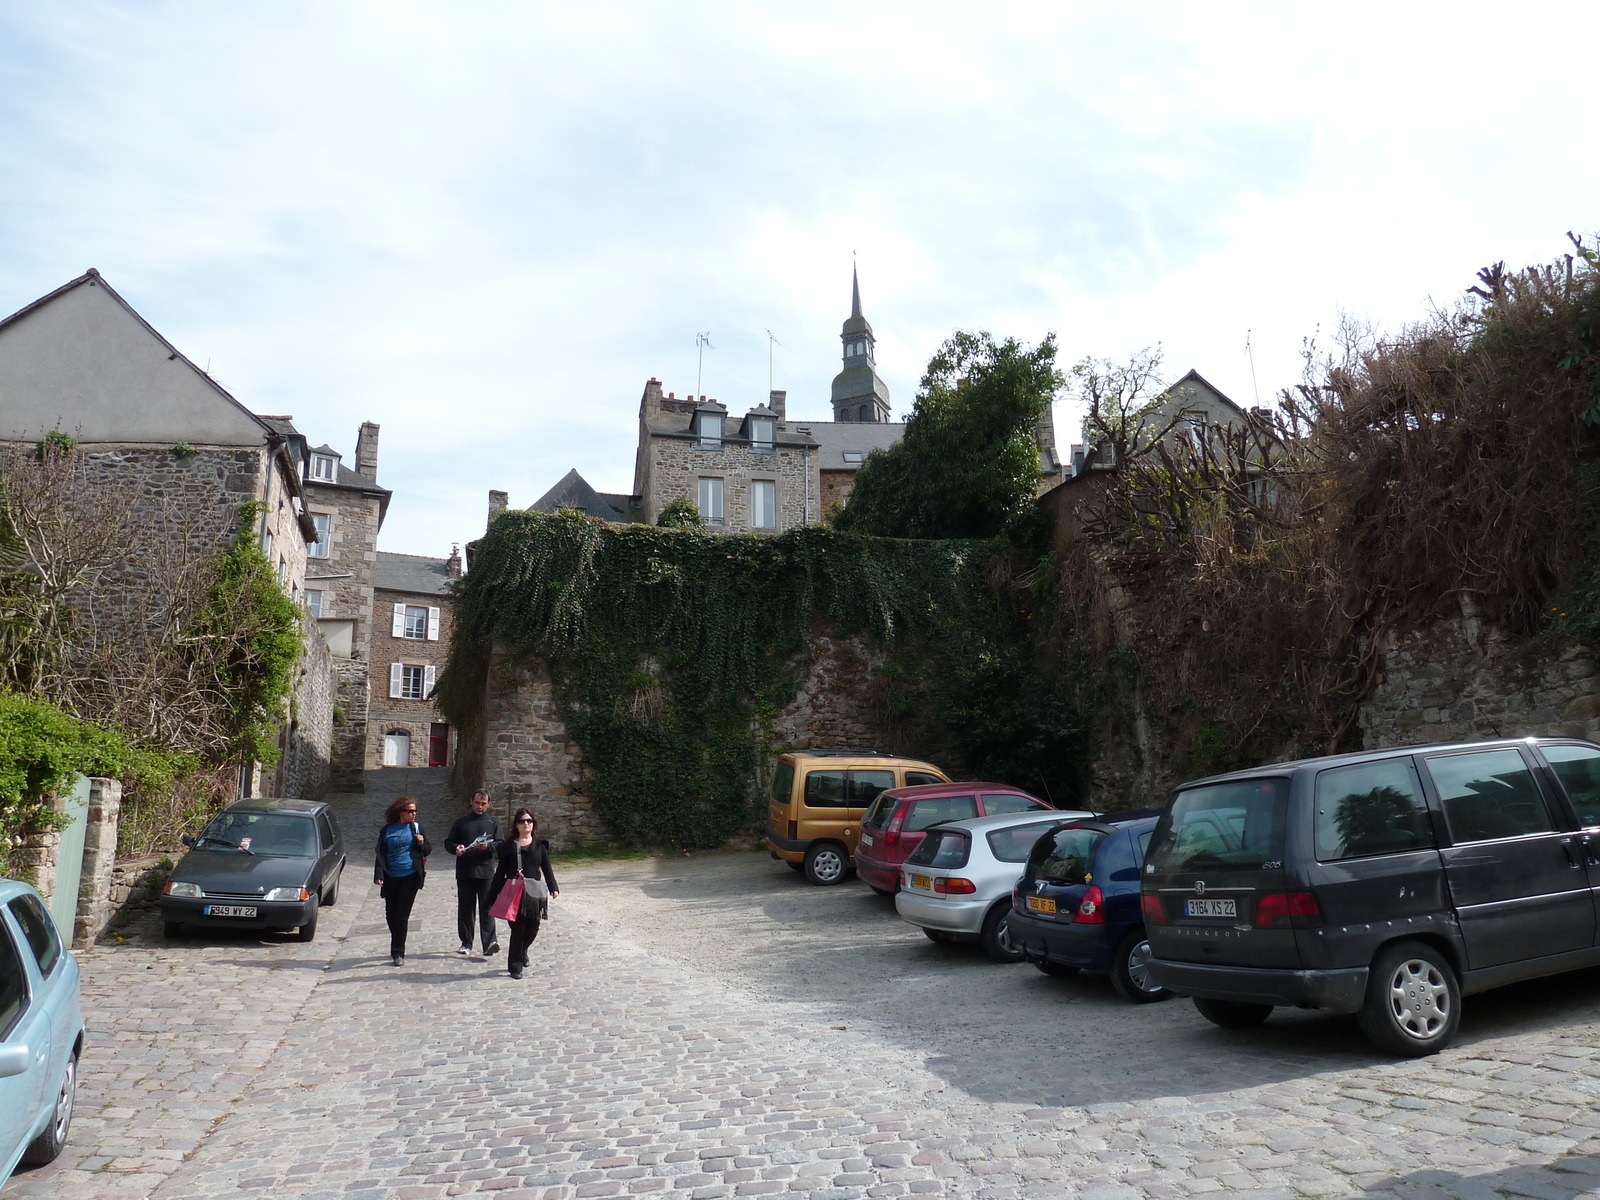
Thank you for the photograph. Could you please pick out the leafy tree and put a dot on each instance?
(1125, 409)
(969, 462)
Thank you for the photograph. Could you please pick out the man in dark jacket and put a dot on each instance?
(472, 839)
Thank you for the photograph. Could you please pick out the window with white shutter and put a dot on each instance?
(398, 629)
(433, 624)
(396, 680)
(428, 676)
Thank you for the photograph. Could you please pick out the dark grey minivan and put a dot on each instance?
(1388, 884)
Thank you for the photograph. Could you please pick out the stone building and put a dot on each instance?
(161, 437)
(410, 644)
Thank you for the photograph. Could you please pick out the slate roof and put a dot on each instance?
(835, 437)
(573, 491)
(411, 573)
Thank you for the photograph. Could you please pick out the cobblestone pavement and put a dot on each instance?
(649, 1052)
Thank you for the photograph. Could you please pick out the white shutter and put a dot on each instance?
(433, 624)
(395, 670)
(398, 628)
(427, 682)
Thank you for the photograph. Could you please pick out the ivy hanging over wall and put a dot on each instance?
(670, 649)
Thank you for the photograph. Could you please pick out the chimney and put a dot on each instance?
(367, 452)
(453, 564)
(776, 401)
(498, 503)
(650, 402)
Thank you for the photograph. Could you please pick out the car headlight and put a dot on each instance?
(174, 888)
(289, 893)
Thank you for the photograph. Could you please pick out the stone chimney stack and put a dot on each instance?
(367, 451)
(650, 402)
(776, 401)
(498, 503)
(453, 564)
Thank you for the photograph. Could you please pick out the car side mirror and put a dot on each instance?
(189, 840)
(14, 1060)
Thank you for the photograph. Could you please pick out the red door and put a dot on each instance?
(439, 745)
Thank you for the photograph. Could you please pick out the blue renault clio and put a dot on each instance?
(1076, 907)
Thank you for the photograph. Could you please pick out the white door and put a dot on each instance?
(397, 749)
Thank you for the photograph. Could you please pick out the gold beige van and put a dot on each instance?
(819, 798)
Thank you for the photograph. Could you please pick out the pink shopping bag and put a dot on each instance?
(509, 901)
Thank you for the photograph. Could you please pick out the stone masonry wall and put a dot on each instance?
(390, 714)
(96, 901)
(306, 768)
(830, 710)
(677, 464)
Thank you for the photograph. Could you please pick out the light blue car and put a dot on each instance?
(41, 1031)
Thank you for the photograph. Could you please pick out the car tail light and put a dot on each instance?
(955, 886)
(1092, 908)
(891, 835)
(1288, 910)
(1155, 913)
(794, 830)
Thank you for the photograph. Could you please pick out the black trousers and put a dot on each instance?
(398, 897)
(523, 930)
(472, 906)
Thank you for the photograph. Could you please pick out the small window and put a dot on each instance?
(1015, 844)
(324, 542)
(411, 682)
(1010, 802)
(1578, 769)
(941, 849)
(940, 808)
(825, 789)
(763, 432)
(40, 931)
(314, 601)
(1064, 857)
(865, 786)
(763, 504)
(1376, 808)
(13, 983)
(416, 622)
(1489, 794)
(783, 782)
(322, 467)
(916, 778)
(711, 500)
(283, 569)
(852, 456)
(708, 427)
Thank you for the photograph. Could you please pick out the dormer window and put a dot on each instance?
(708, 428)
(763, 434)
(322, 467)
(852, 456)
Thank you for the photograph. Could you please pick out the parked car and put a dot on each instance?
(819, 798)
(957, 883)
(260, 864)
(892, 828)
(1387, 884)
(1076, 907)
(41, 1031)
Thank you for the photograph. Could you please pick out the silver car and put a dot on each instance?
(958, 881)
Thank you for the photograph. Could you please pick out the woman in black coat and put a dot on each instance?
(527, 852)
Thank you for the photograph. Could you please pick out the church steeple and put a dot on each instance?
(858, 393)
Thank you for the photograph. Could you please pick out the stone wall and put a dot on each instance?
(136, 885)
(350, 725)
(96, 901)
(393, 714)
(831, 710)
(677, 465)
(305, 770)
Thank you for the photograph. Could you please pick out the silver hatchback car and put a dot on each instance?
(957, 882)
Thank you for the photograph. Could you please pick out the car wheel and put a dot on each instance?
(938, 935)
(826, 864)
(49, 1144)
(1130, 971)
(1413, 1001)
(881, 891)
(308, 928)
(1056, 970)
(995, 937)
(1232, 1015)
(171, 929)
(330, 897)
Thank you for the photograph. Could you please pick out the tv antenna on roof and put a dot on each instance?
(1248, 353)
(701, 340)
(771, 342)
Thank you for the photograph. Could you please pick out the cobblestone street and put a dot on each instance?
(684, 1030)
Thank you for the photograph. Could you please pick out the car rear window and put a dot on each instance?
(13, 983)
(1065, 857)
(1373, 808)
(1489, 794)
(941, 848)
(40, 931)
(783, 782)
(1223, 825)
(277, 834)
(1578, 769)
(1016, 843)
(999, 803)
(940, 808)
(825, 789)
(880, 812)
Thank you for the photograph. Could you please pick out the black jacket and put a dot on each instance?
(478, 862)
(532, 860)
(419, 855)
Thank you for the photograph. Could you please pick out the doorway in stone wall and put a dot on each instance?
(397, 749)
(439, 745)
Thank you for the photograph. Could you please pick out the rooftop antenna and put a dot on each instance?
(1248, 353)
(701, 340)
(771, 342)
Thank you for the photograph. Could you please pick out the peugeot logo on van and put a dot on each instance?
(1200, 888)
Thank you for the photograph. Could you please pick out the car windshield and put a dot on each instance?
(1223, 825)
(280, 834)
(941, 848)
(882, 808)
(1065, 856)
(1015, 843)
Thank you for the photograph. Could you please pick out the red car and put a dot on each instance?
(893, 825)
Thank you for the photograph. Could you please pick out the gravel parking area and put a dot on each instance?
(712, 1026)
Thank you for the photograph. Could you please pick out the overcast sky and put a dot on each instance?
(485, 225)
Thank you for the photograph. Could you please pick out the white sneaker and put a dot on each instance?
(464, 951)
